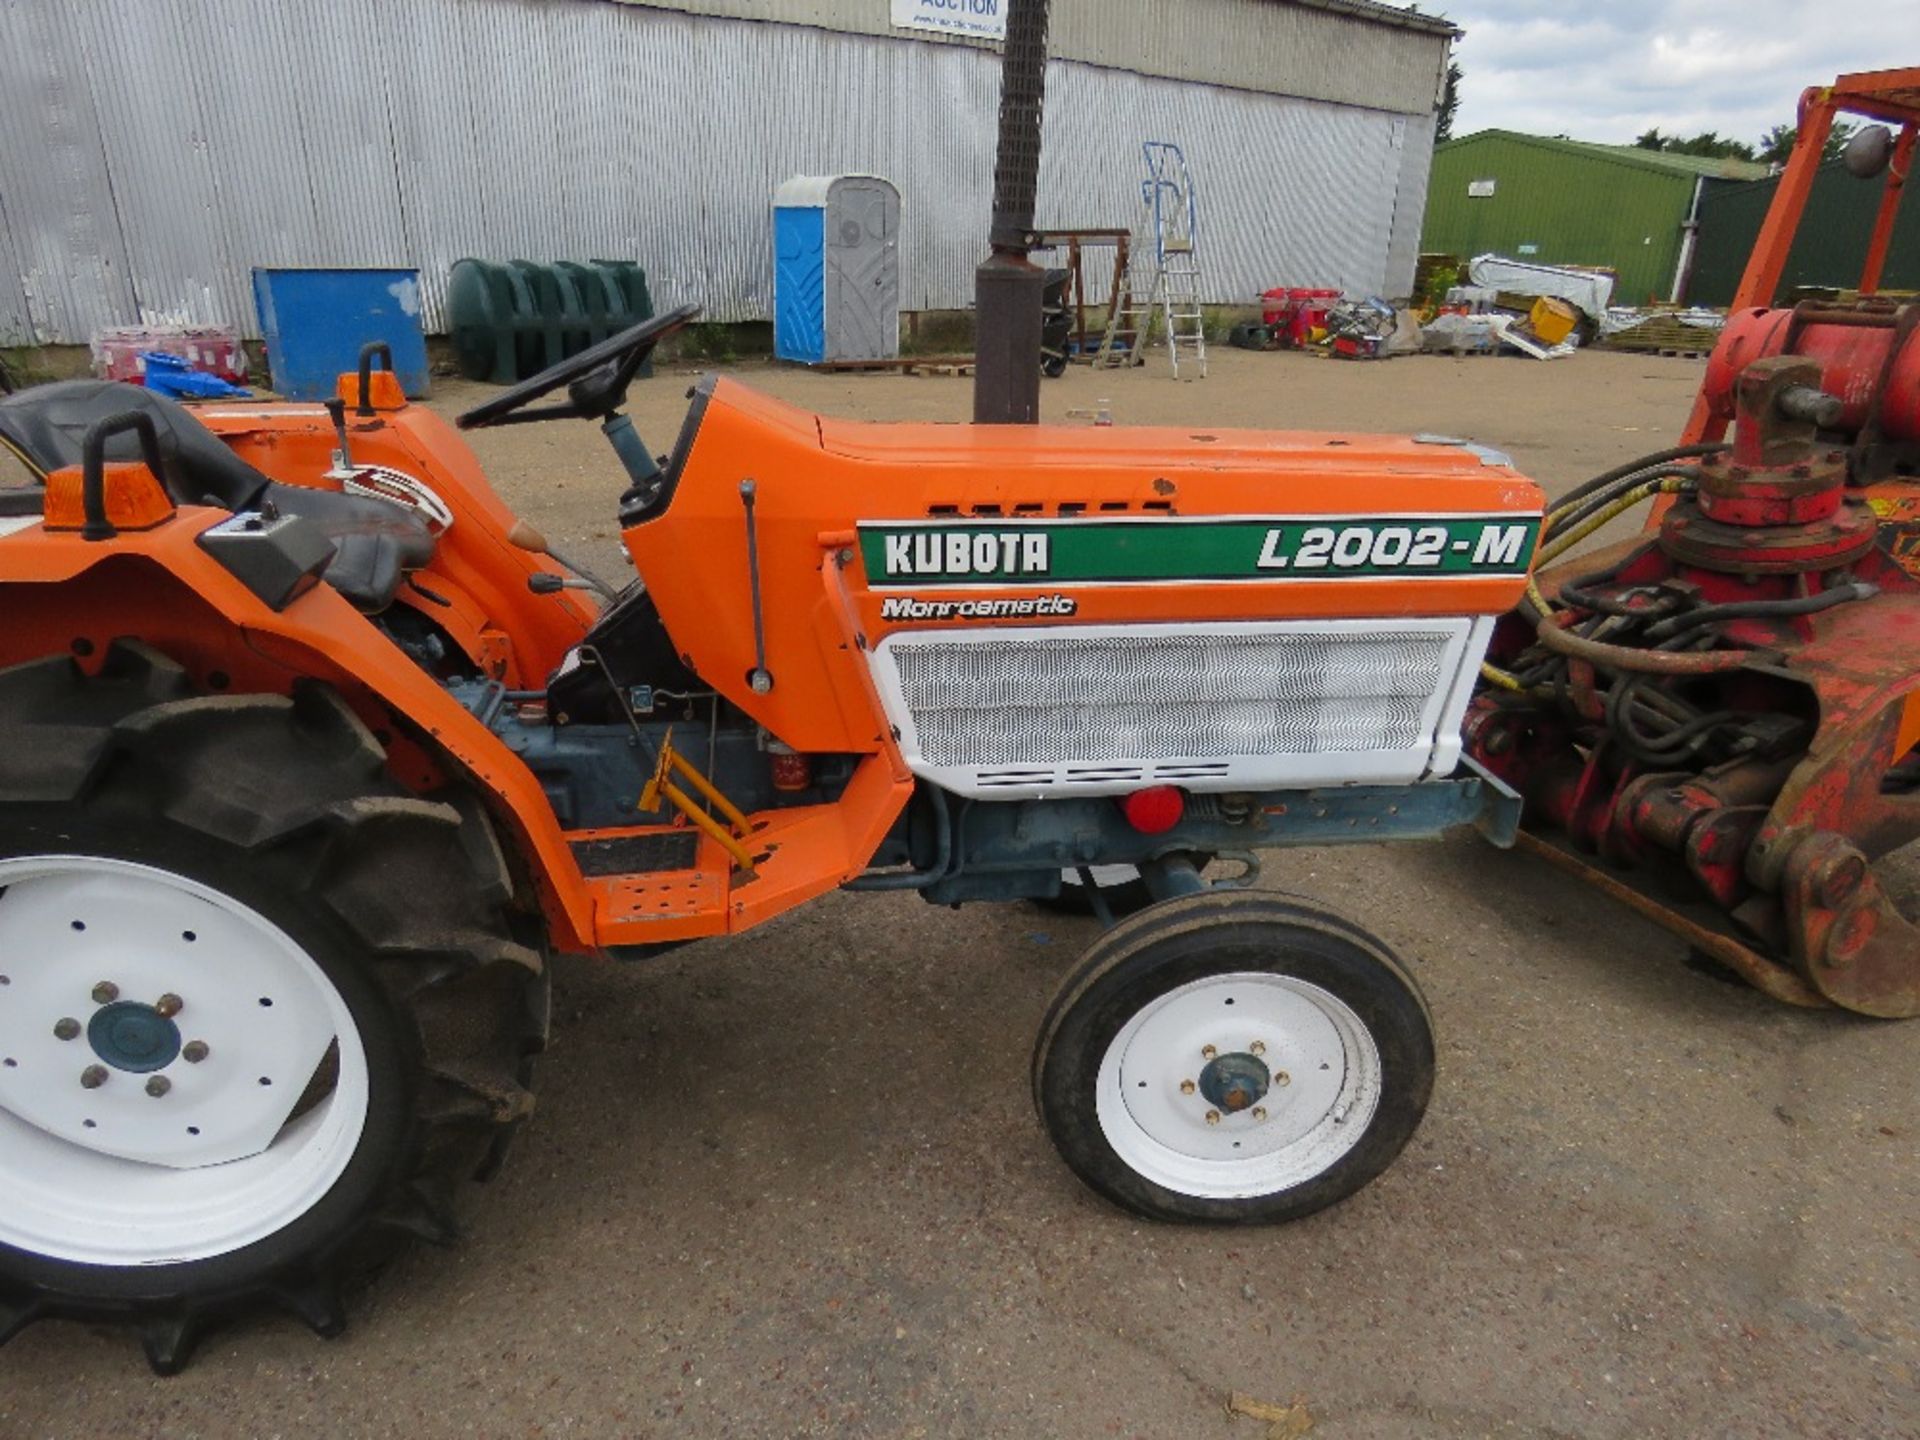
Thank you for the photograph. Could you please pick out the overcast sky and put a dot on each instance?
(1607, 69)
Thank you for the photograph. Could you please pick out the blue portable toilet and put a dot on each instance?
(314, 322)
(836, 270)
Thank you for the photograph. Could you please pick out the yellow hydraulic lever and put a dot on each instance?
(672, 763)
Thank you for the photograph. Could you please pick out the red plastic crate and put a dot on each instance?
(212, 349)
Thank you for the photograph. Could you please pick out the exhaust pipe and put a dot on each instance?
(1009, 289)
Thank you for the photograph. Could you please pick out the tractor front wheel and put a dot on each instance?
(1234, 1056)
(260, 1009)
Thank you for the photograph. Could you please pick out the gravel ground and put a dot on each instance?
(791, 1184)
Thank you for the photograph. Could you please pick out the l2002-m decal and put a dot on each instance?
(905, 554)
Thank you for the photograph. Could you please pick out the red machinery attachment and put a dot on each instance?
(1291, 315)
(1717, 721)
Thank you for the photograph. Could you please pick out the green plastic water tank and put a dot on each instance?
(509, 321)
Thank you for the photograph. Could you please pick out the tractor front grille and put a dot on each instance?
(1224, 707)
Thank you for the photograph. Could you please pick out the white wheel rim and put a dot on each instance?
(1323, 1093)
(1104, 876)
(213, 1163)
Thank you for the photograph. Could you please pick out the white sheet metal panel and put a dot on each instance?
(1409, 205)
(1352, 52)
(156, 152)
(63, 228)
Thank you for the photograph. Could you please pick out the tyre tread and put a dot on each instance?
(1230, 915)
(422, 884)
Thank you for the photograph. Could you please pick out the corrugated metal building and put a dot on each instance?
(1829, 250)
(1566, 202)
(155, 152)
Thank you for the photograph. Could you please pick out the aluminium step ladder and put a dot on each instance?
(1172, 294)
(1168, 193)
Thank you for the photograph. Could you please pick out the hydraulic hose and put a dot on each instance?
(1590, 506)
(1574, 512)
(1603, 656)
(1763, 609)
(1634, 467)
(1563, 542)
(943, 857)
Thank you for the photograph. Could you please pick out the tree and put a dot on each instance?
(1777, 144)
(1711, 144)
(1449, 104)
(1708, 143)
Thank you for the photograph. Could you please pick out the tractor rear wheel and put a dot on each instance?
(1236, 1057)
(260, 1008)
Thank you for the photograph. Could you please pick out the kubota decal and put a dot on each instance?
(903, 554)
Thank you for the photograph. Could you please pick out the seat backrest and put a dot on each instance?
(47, 425)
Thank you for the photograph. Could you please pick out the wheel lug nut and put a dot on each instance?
(1280, 1077)
(169, 1006)
(194, 1051)
(158, 1085)
(66, 1029)
(1213, 1117)
(1258, 1047)
(1187, 1087)
(93, 1077)
(105, 993)
(1207, 1052)
(1259, 1112)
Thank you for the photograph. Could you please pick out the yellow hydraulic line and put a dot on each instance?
(1560, 544)
(1498, 677)
(1565, 506)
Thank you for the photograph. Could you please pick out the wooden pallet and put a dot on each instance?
(1663, 337)
(902, 365)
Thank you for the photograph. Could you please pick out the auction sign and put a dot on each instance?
(981, 19)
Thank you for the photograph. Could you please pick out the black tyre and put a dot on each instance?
(1053, 366)
(258, 998)
(1235, 1057)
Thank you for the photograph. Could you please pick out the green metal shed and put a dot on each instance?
(1567, 202)
(1829, 250)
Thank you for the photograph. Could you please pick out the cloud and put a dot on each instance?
(1609, 71)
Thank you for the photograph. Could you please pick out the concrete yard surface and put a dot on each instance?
(792, 1184)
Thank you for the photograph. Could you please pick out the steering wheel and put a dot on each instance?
(597, 378)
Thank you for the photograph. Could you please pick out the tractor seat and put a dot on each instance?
(375, 542)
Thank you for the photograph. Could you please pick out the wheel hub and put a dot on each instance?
(1235, 1082)
(1238, 1084)
(134, 1037)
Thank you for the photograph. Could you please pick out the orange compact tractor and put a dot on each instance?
(1718, 721)
(313, 754)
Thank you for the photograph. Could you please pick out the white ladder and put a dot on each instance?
(1175, 292)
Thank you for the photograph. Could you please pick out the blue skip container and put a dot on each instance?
(315, 321)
